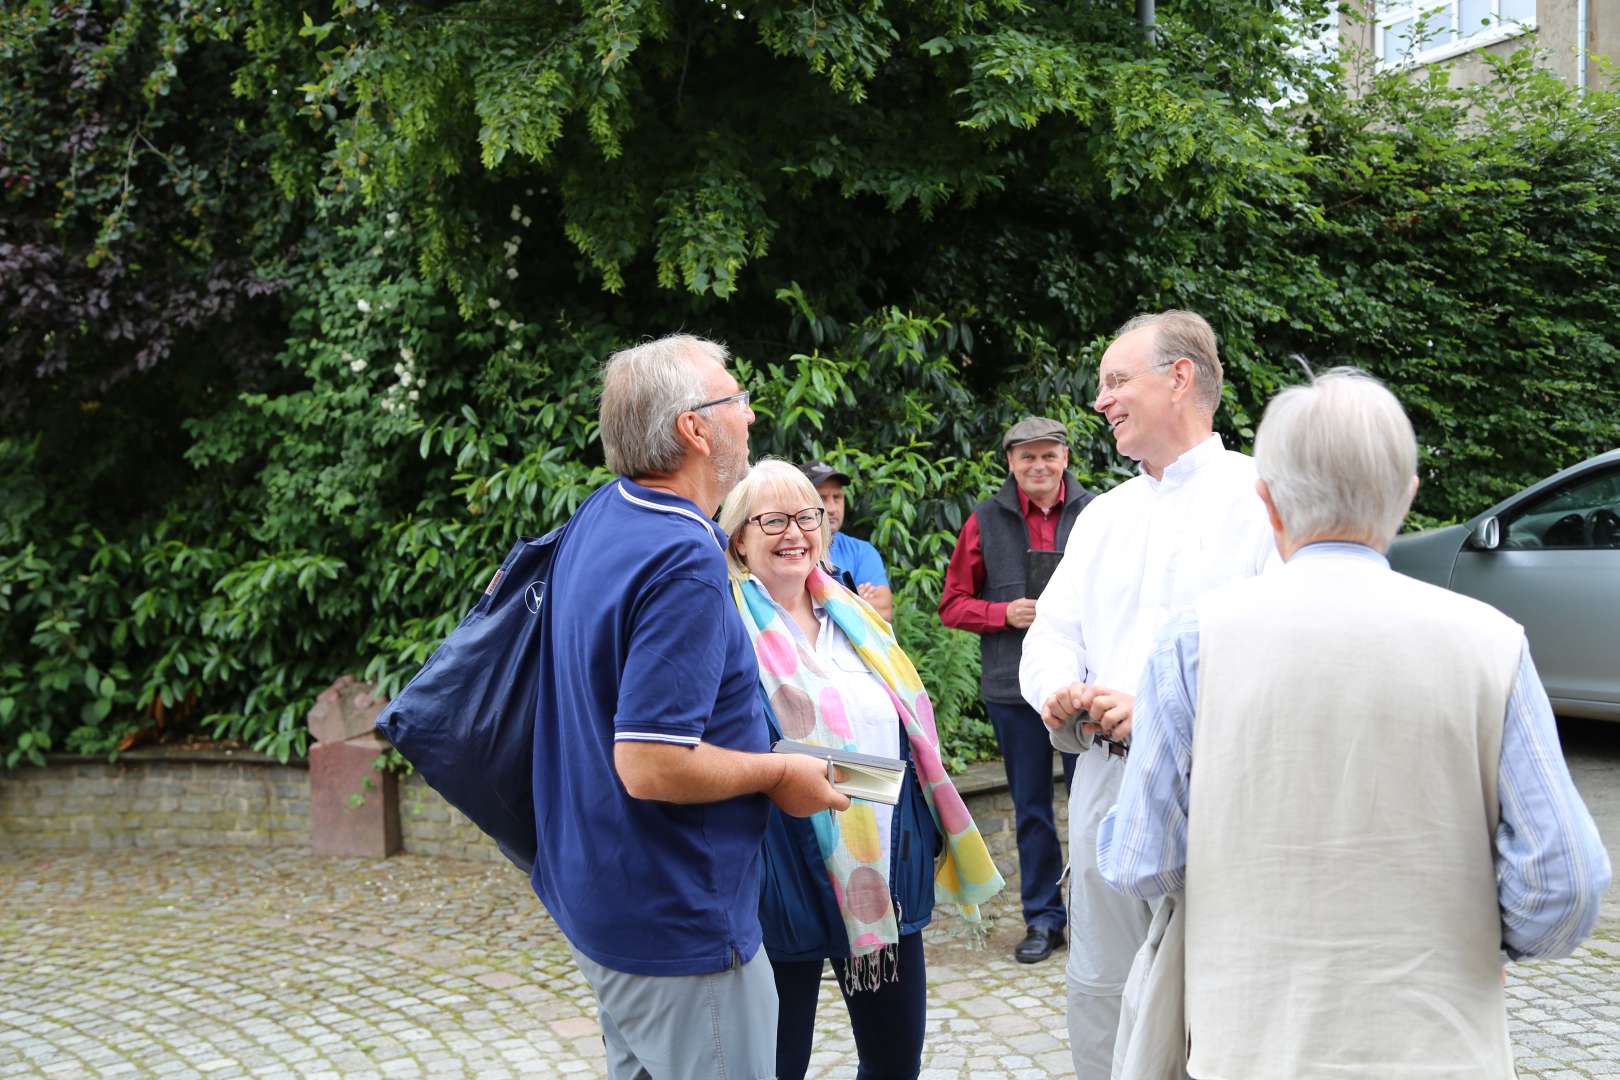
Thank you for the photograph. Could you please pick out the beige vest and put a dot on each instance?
(1341, 907)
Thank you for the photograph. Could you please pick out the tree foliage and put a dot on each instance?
(303, 306)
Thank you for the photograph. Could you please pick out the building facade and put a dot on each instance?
(1569, 36)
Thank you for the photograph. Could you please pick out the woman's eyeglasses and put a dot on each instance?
(776, 524)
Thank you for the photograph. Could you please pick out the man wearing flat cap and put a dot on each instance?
(1009, 538)
(850, 554)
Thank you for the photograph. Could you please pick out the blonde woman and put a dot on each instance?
(855, 888)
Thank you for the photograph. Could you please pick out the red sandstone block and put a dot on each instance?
(338, 771)
(345, 710)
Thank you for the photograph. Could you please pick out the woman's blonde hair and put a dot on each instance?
(772, 476)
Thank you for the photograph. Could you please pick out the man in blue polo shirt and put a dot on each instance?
(652, 770)
(859, 558)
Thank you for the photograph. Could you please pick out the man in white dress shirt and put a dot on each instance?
(1189, 522)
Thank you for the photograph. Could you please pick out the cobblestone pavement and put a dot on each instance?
(225, 963)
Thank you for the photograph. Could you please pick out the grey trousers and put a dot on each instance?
(687, 1027)
(1106, 928)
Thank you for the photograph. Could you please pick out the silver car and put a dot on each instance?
(1550, 558)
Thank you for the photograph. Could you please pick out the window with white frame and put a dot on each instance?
(1434, 29)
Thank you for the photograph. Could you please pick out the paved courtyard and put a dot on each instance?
(227, 962)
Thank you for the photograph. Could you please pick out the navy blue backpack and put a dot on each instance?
(466, 720)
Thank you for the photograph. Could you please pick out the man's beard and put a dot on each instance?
(730, 460)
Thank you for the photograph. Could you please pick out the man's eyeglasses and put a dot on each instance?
(1115, 379)
(740, 397)
(776, 524)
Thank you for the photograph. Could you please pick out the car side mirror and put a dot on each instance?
(1486, 536)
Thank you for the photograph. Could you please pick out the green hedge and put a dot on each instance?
(303, 312)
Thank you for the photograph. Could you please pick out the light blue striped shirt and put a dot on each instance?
(1551, 868)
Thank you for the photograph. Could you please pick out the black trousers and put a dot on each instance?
(887, 1022)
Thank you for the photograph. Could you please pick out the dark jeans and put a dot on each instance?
(887, 1022)
(1027, 753)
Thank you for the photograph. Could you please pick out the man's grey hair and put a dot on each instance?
(770, 476)
(644, 390)
(1339, 457)
(1184, 333)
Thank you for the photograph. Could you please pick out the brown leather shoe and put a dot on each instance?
(1038, 944)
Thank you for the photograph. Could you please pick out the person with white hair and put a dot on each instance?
(1356, 780)
(855, 888)
(1190, 521)
(652, 771)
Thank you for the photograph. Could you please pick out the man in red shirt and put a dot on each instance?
(988, 591)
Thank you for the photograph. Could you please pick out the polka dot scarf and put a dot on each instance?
(810, 709)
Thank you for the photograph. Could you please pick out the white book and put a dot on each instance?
(863, 776)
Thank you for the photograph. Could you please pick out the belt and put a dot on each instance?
(1114, 749)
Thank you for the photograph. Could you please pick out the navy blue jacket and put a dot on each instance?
(796, 906)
